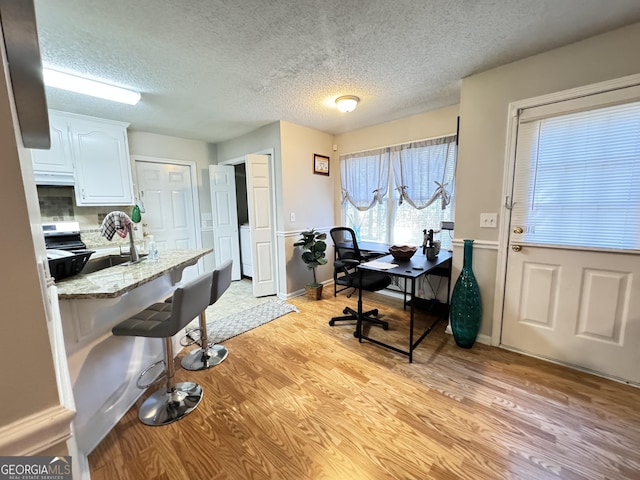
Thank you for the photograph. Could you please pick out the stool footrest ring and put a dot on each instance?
(162, 375)
(190, 337)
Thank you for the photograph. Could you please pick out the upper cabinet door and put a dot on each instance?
(56, 162)
(101, 153)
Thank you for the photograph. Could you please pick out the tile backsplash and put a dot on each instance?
(57, 204)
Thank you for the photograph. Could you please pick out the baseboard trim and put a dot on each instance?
(481, 338)
(35, 433)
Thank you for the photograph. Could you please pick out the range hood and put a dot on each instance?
(54, 179)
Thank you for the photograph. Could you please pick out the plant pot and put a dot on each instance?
(313, 292)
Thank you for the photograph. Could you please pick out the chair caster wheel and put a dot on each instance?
(385, 327)
(374, 312)
(345, 311)
(331, 323)
(355, 334)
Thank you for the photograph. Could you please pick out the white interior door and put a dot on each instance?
(261, 224)
(166, 190)
(572, 290)
(226, 242)
(575, 307)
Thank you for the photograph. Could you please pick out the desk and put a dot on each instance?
(368, 249)
(412, 269)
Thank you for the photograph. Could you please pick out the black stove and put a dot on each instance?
(63, 236)
(66, 252)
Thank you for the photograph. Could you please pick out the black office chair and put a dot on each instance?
(345, 273)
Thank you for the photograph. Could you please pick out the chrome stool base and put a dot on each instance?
(163, 407)
(201, 359)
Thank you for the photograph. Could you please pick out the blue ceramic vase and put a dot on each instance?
(466, 307)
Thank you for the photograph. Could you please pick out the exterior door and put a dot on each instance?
(226, 243)
(166, 190)
(572, 291)
(261, 224)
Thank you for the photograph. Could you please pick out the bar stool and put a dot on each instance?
(209, 355)
(164, 320)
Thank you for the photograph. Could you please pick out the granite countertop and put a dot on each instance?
(115, 281)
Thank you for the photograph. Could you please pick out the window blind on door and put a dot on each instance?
(577, 176)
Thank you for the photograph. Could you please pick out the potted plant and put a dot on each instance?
(313, 254)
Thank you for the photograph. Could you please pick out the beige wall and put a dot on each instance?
(28, 374)
(175, 148)
(308, 196)
(483, 121)
(436, 123)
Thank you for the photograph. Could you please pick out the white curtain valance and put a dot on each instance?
(365, 177)
(424, 171)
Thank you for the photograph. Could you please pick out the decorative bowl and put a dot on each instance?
(402, 252)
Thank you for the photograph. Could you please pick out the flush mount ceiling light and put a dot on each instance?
(72, 83)
(347, 103)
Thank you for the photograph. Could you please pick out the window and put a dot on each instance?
(577, 174)
(420, 177)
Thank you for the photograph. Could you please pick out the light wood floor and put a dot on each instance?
(297, 399)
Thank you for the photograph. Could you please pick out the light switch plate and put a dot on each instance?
(488, 220)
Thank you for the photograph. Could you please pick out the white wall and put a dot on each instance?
(308, 196)
(483, 120)
(175, 148)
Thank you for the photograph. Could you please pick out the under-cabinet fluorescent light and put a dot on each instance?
(64, 81)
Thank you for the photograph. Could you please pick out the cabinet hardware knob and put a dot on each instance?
(516, 248)
(518, 230)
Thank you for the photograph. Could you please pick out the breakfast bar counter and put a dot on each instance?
(116, 281)
(103, 368)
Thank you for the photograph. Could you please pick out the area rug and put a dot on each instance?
(227, 327)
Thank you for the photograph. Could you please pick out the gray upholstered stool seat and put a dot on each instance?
(210, 354)
(164, 320)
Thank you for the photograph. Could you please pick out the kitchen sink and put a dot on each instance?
(106, 262)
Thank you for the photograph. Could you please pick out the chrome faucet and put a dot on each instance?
(132, 247)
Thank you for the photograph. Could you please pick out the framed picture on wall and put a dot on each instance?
(320, 164)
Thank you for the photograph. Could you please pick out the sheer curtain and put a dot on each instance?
(365, 178)
(423, 171)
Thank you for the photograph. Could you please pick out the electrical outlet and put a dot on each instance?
(488, 220)
(446, 225)
(293, 217)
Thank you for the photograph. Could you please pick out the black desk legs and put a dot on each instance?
(358, 332)
(413, 296)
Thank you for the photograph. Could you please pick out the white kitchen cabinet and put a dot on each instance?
(245, 250)
(96, 154)
(54, 166)
(101, 155)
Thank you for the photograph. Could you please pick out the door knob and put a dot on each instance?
(518, 230)
(516, 248)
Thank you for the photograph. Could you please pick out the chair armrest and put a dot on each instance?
(346, 263)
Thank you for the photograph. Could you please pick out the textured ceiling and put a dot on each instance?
(216, 69)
